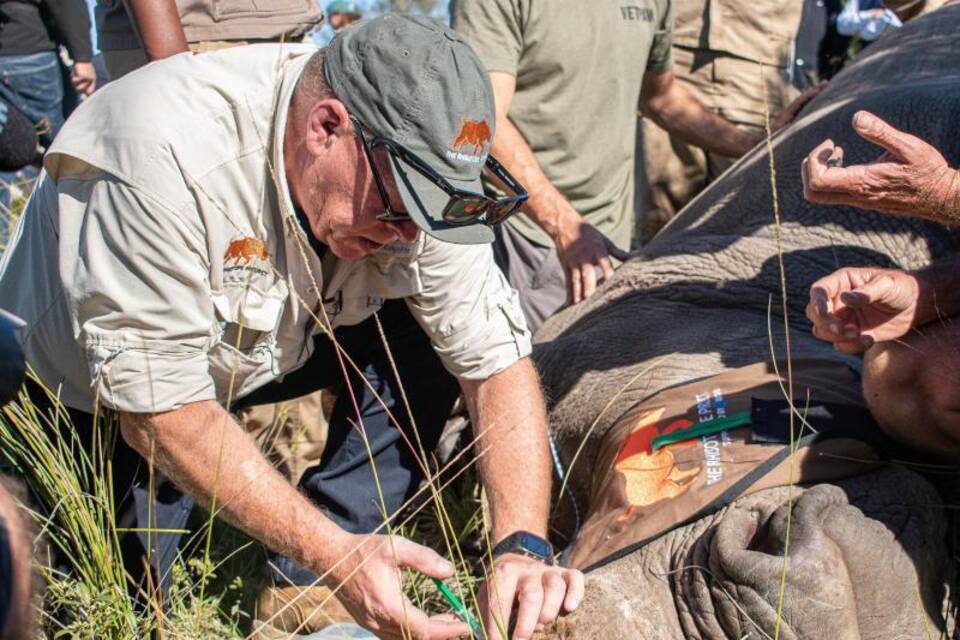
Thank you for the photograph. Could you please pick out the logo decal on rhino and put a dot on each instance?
(652, 476)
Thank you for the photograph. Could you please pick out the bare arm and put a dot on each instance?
(580, 247)
(508, 412)
(158, 23)
(939, 295)
(511, 422)
(671, 106)
(205, 453)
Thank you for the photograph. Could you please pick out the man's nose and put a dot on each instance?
(406, 230)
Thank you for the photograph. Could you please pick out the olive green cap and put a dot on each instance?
(416, 82)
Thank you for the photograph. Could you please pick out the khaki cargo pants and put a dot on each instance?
(675, 171)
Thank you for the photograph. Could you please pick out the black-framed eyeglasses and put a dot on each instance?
(464, 207)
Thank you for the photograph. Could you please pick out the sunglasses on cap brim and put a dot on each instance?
(463, 207)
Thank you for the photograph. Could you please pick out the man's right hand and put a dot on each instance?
(582, 250)
(856, 307)
(368, 583)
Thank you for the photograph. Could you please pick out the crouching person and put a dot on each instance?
(253, 224)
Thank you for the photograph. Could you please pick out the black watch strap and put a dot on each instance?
(525, 544)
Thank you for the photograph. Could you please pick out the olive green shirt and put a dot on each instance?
(579, 67)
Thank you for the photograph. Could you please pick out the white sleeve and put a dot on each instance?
(468, 309)
(135, 279)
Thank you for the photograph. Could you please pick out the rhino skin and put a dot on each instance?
(705, 297)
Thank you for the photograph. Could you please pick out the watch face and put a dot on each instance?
(535, 545)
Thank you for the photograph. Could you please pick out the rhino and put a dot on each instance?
(868, 557)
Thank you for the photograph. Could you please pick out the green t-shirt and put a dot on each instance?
(579, 66)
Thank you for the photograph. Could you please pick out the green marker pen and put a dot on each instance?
(458, 608)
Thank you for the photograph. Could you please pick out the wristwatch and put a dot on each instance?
(525, 544)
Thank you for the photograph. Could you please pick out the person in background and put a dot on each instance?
(132, 33)
(568, 77)
(340, 13)
(19, 145)
(16, 539)
(866, 19)
(735, 57)
(819, 51)
(31, 31)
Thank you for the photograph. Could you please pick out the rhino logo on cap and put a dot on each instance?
(474, 134)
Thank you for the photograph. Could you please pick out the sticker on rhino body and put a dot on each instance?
(652, 476)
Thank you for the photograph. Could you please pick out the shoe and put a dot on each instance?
(296, 612)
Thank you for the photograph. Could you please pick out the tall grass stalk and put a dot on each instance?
(768, 141)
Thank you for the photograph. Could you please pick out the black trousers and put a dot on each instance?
(362, 437)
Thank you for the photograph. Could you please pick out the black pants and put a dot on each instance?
(343, 483)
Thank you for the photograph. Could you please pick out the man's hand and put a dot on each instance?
(539, 591)
(790, 112)
(582, 250)
(856, 307)
(369, 582)
(909, 178)
(83, 77)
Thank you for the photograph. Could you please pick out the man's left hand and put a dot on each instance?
(538, 590)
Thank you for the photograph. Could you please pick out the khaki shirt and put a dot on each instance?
(159, 261)
(205, 20)
(756, 31)
(579, 68)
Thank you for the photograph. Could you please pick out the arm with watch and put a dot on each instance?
(510, 424)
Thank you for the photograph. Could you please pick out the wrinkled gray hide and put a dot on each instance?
(696, 303)
(874, 570)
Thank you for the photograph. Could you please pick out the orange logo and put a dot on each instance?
(652, 476)
(473, 133)
(244, 250)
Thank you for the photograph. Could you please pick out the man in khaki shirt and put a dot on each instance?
(132, 33)
(735, 57)
(246, 225)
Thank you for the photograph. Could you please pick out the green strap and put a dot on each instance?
(708, 428)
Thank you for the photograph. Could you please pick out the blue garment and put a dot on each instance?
(33, 84)
(858, 19)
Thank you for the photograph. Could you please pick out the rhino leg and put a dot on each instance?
(867, 559)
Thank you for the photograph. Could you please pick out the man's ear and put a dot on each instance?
(327, 122)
